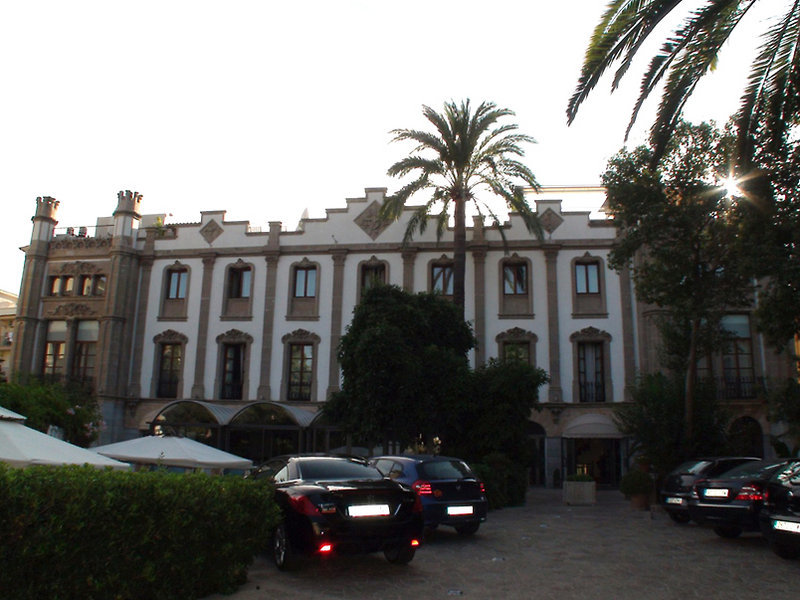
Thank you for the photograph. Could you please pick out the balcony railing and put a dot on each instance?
(592, 391)
(738, 388)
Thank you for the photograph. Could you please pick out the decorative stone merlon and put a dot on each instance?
(128, 202)
(46, 208)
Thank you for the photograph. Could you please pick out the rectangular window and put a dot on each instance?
(587, 278)
(305, 282)
(442, 279)
(68, 285)
(99, 285)
(239, 283)
(169, 370)
(83, 363)
(86, 285)
(517, 351)
(55, 286)
(54, 359)
(515, 280)
(176, 283)
(591, 382)
(232, 371)
(372, 275)
(737, 358)
(301, 364)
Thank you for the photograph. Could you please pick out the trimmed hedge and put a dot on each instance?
(78, 532)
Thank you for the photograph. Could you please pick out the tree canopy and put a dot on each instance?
(404, 360)
(680, 234)
(468, 154)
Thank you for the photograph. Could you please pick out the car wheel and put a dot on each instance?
(399, 555)
(281, 549)
(679, 517)
(467, 528)
(785, 551)
(728, 531)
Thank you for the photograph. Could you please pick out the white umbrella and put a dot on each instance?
(173, 451)
(21, 446)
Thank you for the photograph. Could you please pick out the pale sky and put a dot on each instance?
(264, 109)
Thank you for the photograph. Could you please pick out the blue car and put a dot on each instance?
(449, 491)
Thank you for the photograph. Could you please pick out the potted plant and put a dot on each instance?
(637, 486)
(580, 488)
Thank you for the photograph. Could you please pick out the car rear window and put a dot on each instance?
(334, 469)
(692, 467)
(444, 469)
(757, 468)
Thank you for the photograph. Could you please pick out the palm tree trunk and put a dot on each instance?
(459, 253)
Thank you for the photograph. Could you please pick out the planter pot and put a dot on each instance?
(580, 492)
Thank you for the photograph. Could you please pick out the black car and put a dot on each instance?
(451, 494)
(335, 504)
(677, 487)
(731, 502)
(780, 516)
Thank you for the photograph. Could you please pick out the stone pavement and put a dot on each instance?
(547, 550)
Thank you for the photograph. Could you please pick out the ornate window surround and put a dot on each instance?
(168, 336)
(233, 336)
(299, 336)
(589, 335)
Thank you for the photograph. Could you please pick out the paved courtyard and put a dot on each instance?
(547, 550)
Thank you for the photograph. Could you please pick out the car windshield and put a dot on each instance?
(336, 469)
(757, 468)
(444, 469)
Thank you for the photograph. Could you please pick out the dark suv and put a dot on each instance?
(677, 487)
(449, 491)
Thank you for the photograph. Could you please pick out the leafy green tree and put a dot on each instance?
(467, 154)
(679, 234)
(655, 421)
(69, 406)
(771, 99)
(404, 360)
(784, 407)
(493, 416)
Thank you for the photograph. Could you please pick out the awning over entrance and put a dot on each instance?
(591, 426)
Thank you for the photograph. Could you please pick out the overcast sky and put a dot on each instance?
(265, 109)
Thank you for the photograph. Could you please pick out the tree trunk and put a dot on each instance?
(691, 380)
(459, 253)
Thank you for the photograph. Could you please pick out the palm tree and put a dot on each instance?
(468, 153)
(770, 104)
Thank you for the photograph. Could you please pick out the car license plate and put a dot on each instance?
(715, 493)
(674, 500)
(459, 510)
(786, 526)
(368, 510)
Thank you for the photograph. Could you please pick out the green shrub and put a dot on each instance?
(506, 482)
(636, 482)
(78, 532)
(580, 477)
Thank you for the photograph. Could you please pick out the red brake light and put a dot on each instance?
(414, 543)
(750, 493)
(423, 488)
(303, 505)
(483, 487)
(325, 548)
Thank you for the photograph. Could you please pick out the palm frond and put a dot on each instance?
(622, 29)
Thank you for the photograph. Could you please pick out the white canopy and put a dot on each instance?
(21, 446)
(173, 452)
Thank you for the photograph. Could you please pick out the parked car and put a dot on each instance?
(677, 487)
(336, 504)
(780, 516)
(451, 494)
(731, 502)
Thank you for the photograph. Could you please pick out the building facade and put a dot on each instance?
(8, 312)
(226, 333)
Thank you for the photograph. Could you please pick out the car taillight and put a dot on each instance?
(414, 543)
(750, 493)
(303, 505)
(483, 487)
(417, 508)
(423, 488)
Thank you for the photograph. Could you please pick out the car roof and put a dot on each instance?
(417, 458)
